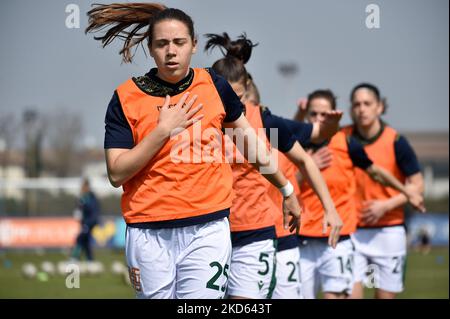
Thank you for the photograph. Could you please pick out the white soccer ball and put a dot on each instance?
(48, 267)
(94, 268)
(29, 270)
(63, 267)
(118, 268)
(83, 266)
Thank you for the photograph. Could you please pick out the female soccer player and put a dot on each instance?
(252, 221)
(288, 275)
(176, 207)
(380, 241)
(320, 266)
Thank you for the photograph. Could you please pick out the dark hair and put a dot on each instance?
(374, 90)
(324, 94)
(125, 21)
(367, 86)
(236, 54)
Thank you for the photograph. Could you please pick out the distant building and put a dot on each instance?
(432, 150)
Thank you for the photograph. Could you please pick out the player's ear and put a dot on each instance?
(380, 108)
(194, 45)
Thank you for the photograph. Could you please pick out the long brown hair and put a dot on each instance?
(126, 21)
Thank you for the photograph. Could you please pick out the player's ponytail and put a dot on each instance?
(236, 54)
(132, 23)
(240, 49)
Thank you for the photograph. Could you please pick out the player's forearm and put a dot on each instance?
(315, 134)
(311, 173)
(125, 165)
(396, 201)
(384, 177)
(323, 131)
(264, 162)
(256, 153)
(417, 180)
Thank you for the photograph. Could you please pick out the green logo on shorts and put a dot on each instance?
(260, 284)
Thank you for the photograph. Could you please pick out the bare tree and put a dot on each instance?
(8, 134)
(64, 133)
(34, 126)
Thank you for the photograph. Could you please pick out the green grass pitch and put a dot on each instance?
(427, 276)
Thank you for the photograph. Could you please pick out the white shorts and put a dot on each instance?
(380, 257)
(180, 263)
(252, 270)
(326, 268)
(288, 284)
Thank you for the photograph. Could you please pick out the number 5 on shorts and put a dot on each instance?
(263, 258)
(211, 283)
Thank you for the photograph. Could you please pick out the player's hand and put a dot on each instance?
(322, 157)
(175, 118)
(330, 123)
(291, 213)
(373, 210)
(415, 197)
(331, 219)
(302, 104)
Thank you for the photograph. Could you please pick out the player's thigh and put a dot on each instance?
(336, 268)
(391, 273)
(252, 270)
(309, 251)
(288, 284)
(203, 267)
(151, 263)
(360, 266)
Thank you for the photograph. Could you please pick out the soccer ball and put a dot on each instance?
(48, 267)
(63, 267)
(94, 268)
(29, 270)
(118, 268)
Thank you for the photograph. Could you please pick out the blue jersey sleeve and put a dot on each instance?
(286, 138)
(233, 105)
(301, 131)
(357, 154)
(405, 157)
(118, 133)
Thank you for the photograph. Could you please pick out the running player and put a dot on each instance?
(322, 267)
(380, 241)
(288, 276)
(178, 237)
(252, 221)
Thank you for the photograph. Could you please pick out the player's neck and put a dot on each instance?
(369, 132)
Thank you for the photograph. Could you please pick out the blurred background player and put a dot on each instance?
(89, 210)
(178, 236)
(331, 269)
(380, 241)
(252, 269)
